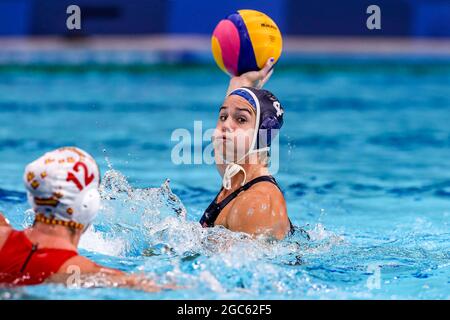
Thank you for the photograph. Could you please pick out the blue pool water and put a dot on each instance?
(365, 165)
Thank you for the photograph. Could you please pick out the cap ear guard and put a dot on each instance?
(266, 127)
(86, 206)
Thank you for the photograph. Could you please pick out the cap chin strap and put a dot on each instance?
(85, 228)
(233, 168)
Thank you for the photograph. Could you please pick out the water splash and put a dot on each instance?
(145, 230)
(152, 222)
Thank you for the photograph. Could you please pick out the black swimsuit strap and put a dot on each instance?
(245, 187)
(214, 209)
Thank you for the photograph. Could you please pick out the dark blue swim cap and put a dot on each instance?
(270, 112)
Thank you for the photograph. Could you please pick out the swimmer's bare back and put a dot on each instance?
(260, 210)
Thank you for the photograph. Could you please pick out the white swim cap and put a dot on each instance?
(62, 187)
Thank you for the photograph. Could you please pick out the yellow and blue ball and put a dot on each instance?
(244, 41)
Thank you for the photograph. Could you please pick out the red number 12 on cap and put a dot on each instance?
(87, 178)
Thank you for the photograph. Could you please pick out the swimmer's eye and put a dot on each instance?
(222, 118)
(242, 120)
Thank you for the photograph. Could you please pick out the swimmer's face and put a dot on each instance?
(235, 128)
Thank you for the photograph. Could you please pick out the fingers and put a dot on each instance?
(265, 79)
(265, 73)
(253, 78)
(267, 68)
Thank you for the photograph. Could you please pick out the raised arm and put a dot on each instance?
(255, 79)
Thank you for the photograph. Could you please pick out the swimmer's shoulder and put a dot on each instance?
(263, 198)
(258, 210)
(269, 188)
(267, 192)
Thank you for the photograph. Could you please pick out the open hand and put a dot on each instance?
(255, 79)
